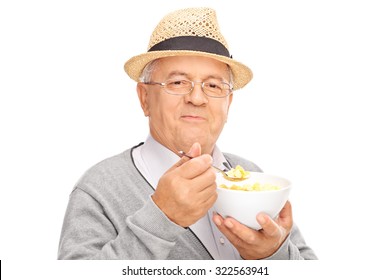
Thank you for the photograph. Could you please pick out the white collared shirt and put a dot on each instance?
(153, 159)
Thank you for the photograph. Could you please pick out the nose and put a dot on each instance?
(196, 96)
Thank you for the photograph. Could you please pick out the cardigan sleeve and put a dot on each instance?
(89, 234)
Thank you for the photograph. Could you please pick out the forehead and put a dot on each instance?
(196, 66)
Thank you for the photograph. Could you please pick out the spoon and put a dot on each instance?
(224, 174)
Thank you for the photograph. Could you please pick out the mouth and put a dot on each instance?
(193, 118)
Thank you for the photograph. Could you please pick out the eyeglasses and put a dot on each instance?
(214, 88)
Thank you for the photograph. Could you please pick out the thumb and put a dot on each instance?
(285, 218)
(194, 151)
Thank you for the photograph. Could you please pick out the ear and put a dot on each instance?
(143, 98)
(228, 106)
(230, 99)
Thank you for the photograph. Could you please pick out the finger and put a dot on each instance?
(207, 192)
(219, 221)
(195, 151)
(246, 234)
(196, 166)
(181, 161)
(210, 200)
(239, 235)
(204, 181)
(269, 226)
(285, 218)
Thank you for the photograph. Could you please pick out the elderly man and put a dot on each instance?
(150, 203)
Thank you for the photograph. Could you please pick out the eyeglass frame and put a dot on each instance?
(164, 84)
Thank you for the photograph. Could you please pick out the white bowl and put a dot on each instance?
(245, 205)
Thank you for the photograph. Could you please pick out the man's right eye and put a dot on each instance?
(178, 83)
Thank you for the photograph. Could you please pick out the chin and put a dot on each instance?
(192, 134)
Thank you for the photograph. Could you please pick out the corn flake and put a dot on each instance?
(252, 187)
(238, 172)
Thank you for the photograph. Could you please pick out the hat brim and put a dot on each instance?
(135, 65)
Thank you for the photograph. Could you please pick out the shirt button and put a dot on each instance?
(222, 240)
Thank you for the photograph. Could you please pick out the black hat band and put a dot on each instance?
(191, 43)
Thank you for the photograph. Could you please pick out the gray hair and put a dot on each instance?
(146, 74)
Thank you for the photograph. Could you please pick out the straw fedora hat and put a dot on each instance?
(189, 32)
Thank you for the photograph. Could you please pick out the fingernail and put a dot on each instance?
(217, 221)
(228, 224)
(261, 219)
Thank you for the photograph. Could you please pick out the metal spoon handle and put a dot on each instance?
(183, 154)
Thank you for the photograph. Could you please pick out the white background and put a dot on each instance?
(316, 112)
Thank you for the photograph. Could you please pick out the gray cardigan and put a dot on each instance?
(111, 215)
